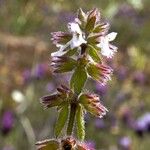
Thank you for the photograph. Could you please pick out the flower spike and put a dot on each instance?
(81, 51)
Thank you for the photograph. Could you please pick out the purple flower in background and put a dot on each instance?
(99, 123)
(101, 89)
(8, 148)
(50, 87)
(125, 143)
(127, 117)
(39, 71)
(26, 75)
(7, 122)
(90, 145)
(126, 11)
(139, 77)
(66, 17)
(121, 73)
(143, 124)
(120, 97)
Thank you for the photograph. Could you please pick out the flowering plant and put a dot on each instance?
(81, 50)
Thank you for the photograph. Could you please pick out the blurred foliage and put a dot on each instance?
(25, 71)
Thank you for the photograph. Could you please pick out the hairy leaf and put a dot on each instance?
(90, 24)
(93, 53)
(81, 15)
(78, 79)
(80, 123)
(62, 118)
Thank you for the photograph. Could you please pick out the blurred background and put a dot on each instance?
(25, 74)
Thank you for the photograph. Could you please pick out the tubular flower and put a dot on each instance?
(107, 49)
(63, 94)
(91, 103)
(76, 39)
(63, 64)
(99, 72)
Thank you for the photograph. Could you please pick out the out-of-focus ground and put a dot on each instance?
(25, 74)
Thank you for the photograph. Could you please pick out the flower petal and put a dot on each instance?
(111, 36)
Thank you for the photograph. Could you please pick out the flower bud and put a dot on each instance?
(99, 72)
(60, 37)
(93, 16)
(92, 104)
(63, 64)
(82, 17)
(63, 94)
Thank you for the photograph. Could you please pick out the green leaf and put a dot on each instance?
(90, 24)
(81, 15)
(93, 71)
(62, 118)
(80, 122)
(94, 53)
(101, 28)
(91, 20)
(78, 79)
(94, 38)
(48, 145)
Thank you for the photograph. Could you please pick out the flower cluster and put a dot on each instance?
(86, 29)
(81, 50)
(87, 35)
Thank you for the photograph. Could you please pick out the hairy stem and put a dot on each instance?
(71, 119)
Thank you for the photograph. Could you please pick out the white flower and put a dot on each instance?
(107, 49)
(74, 28)
(76, 41)
(61, 51)
(77, 38)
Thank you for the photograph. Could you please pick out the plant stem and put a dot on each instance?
(71, 118)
